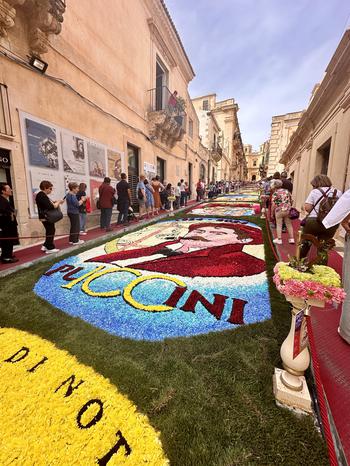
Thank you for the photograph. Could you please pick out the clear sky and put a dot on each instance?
(266, 54)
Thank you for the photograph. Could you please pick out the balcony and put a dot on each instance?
(166, 116)
(216, 152)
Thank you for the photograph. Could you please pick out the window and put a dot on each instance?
(205, 105)
(254, 163)
(322, 159)
(190, 128)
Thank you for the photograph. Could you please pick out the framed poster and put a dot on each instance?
(149, 170)
(97, 160)
(73, 151)
(94, 185)
(42, 145)
(114, 164)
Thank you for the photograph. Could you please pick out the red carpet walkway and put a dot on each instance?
(332, 354)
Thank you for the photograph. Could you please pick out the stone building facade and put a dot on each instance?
(321, 143)
(232, 163)
(282, 129)
(105, 103)
(253, 162)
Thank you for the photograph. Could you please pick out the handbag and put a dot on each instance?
(53, 215)
(293, 213)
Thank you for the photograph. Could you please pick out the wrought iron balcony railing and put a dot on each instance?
(166, 115)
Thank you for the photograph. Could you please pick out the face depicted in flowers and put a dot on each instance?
(202, 237)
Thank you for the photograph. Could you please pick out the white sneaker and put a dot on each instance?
(51, 251)
(44, 248)
(81, 241)
(291, 241)
(83, 233)
(277, 241)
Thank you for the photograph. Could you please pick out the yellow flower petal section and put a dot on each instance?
(57, 411)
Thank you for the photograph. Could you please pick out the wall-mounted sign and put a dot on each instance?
(5, 160)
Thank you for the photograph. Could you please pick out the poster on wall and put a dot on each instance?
(73, 151)
(60, 156)
(37, 175)
(149, 170)
(94, 185)
(97, 160)
(114, 164)
(42, 145)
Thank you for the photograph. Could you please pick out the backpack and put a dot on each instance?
(326, 204)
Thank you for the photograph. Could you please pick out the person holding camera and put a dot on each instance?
(44, 205)
(73, 213)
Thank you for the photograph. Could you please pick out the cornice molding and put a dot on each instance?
(157, 38)
(169, 36)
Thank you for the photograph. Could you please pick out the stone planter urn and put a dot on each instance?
(314, 287)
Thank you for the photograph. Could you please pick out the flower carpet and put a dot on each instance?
(173, 278)
(156, 347)
(226, 209)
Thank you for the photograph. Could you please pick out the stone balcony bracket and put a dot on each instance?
(44, 17)
(166, 128)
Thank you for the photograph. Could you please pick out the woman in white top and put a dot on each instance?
(341, 214)
(322, 186)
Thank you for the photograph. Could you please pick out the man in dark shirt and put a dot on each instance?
(124, 199)
(286, 184)
(106, 193)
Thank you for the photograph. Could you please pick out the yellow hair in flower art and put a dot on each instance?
(57, 411)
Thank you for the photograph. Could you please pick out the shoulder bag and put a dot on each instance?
(53, 215)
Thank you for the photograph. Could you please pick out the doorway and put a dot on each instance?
(161, 83)
(161, 169)
(133, 171)
(190, 176)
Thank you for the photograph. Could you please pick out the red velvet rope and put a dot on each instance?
(319, 386)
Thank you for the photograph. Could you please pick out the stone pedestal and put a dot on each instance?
(289, 385)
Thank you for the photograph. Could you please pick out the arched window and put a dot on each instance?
(202, 172)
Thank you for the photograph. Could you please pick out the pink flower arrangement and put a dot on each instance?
(309, 289)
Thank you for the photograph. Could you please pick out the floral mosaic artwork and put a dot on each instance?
(174, 278)
(64, 412)
(238, 198)
(227, 210)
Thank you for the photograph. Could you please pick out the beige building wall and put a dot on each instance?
(321, 143)
(97, 85)
(282, 129)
